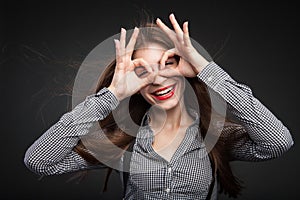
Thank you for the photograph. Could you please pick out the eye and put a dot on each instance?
(140, 71)
(169, 63)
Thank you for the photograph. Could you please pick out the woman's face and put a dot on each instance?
(165, 92)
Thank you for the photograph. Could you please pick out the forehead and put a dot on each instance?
(151, 53)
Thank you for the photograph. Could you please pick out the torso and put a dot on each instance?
(168, 165)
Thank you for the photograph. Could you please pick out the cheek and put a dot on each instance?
(181, 85)
(145, 92)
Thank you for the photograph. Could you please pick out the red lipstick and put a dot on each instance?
(164, 93)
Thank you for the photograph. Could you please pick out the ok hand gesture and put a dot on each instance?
(126, 81)
(191, 62)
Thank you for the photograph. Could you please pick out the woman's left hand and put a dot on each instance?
(191, 61)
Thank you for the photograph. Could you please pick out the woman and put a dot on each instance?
(170, 158)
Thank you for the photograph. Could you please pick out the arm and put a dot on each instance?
(262, 136)
(53, 153)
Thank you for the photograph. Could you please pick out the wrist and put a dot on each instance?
(198, 62)
(113, 90)
(201, 64)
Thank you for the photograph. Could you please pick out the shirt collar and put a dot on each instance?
(192, 140)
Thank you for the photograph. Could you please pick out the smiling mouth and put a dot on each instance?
(164, 93)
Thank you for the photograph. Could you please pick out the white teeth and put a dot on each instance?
(160, 93)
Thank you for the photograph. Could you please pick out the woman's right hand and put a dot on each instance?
(126, 81)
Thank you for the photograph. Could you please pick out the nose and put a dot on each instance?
(158, 79)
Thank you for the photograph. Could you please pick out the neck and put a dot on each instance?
(171, 119)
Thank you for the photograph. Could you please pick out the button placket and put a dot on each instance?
(168, 179)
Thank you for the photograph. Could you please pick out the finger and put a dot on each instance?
(144, 72)
(117, 46)
(175, 24)
(177, 28)
(169, 53)
(165, 28)
(122, 41)
(155, 68)
(141, 67)
(140, 82)
(132, 41)
(169, 72)
(145, 80)
(186, 35)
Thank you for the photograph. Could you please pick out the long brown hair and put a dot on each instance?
(219, 155)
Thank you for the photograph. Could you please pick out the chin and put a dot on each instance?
(168, 105)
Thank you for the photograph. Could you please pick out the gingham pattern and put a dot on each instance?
(188, 174)
(53, 153)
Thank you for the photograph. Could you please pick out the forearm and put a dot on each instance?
(268, 133)
(53, 153)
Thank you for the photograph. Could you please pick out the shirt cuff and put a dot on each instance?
(108, 96)
(213, 75)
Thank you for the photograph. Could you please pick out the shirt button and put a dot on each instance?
(168, 190)
(169, 169)
(210, 78)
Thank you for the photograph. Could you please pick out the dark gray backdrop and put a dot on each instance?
(255, 41)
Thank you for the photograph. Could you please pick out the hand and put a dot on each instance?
(126, 81)
(191, 61)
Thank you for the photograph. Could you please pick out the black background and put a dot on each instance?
(256, 42)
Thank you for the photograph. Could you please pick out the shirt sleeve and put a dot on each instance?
(261, 135)
(52, 153)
